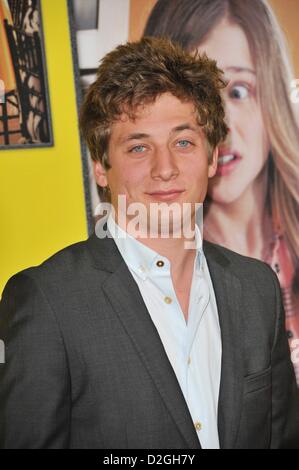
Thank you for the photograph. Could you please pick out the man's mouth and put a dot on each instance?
(166, 195)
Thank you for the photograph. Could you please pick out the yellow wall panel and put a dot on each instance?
(42, 207)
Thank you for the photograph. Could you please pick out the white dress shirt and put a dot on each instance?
(193, 348)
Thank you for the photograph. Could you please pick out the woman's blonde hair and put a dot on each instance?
(189, 22)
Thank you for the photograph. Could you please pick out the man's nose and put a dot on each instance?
(164, 165)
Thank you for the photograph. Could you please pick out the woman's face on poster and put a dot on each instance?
(243, 156)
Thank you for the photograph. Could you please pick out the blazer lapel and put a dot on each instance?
(126, 300)
(227, 289)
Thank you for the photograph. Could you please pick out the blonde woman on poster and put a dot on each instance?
(253, 201)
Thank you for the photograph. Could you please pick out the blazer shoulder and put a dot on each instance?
(73, 266)
(241, 265)
(60, 265)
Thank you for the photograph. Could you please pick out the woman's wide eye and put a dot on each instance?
(239, 92)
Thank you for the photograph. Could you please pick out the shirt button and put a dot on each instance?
(167, 300)
(189, 361)
(160, 264)
(198, 426)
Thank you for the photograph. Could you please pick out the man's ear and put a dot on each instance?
(213, 163)
(100, 174)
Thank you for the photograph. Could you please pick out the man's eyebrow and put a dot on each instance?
(143, 135)
(239, 69)
(134, 136)
(183, 127)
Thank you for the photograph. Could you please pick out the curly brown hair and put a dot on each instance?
(135, 74)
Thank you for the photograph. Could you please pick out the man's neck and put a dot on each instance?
(179, 250)
(174, 249)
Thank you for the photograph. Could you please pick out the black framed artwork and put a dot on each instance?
(25, 118)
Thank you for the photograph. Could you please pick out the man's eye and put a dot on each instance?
(183, 143)
(239, 92)
(138, 149)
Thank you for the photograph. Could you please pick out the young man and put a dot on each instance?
(136, 340)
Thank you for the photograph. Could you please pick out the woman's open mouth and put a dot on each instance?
(227, 162)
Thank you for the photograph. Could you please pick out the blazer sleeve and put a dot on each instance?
(285, 394)
(34, 379)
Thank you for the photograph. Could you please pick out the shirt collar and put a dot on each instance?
(142, 259)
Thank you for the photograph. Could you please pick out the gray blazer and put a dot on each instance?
(85, 366)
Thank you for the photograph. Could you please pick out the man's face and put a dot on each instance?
(160, 156)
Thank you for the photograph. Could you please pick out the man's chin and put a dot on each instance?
(157, 220)
(162, 228)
